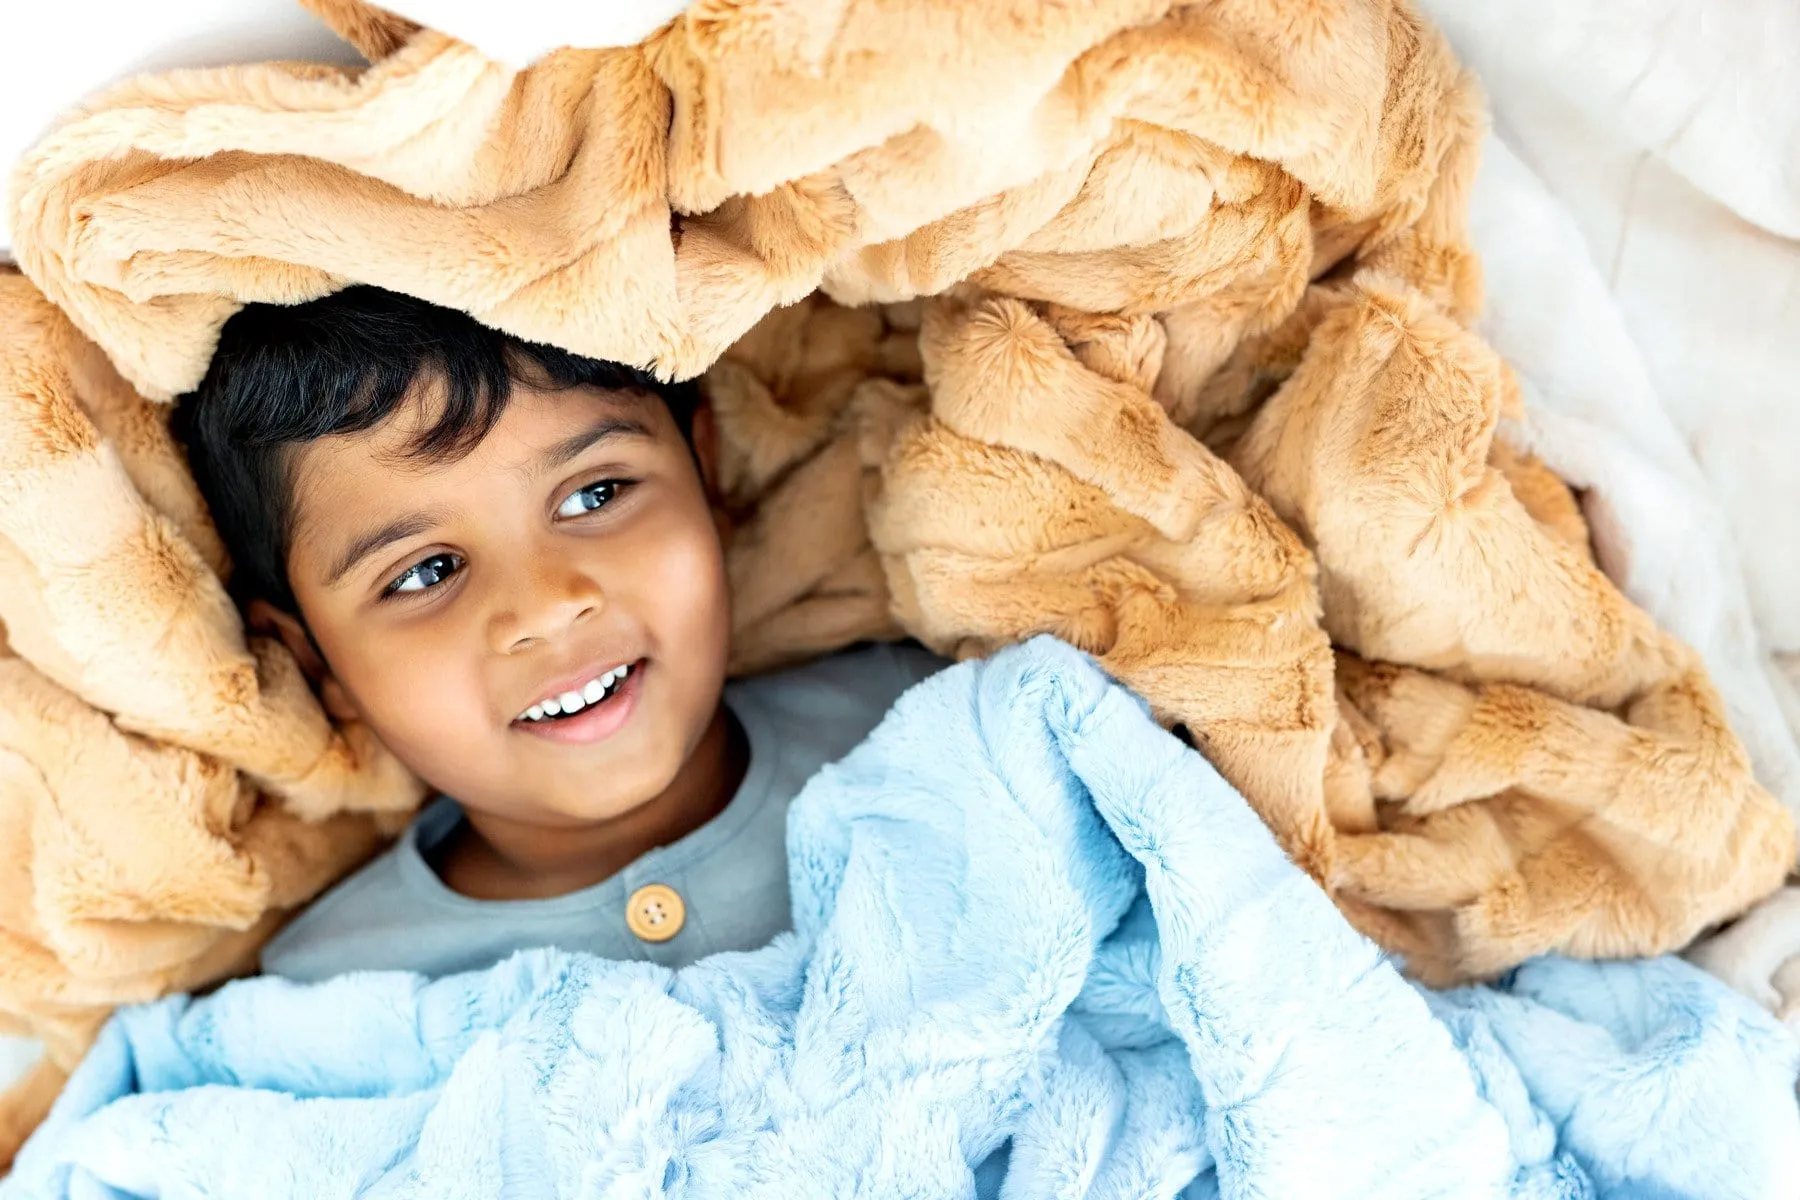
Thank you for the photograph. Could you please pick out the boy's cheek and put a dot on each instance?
(422, 697)
(674, 578)
(426, 723)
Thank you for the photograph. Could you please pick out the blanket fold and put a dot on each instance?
(1040, 949)
(1161, 345)
(1499, 785)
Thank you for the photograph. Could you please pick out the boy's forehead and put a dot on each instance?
(528, 412)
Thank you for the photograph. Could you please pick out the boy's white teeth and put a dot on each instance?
(592, 692)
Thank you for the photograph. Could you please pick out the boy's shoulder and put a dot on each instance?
(364, 916)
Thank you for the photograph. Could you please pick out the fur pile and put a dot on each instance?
(1194, 388)
(168, 788)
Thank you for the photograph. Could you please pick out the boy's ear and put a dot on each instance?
(265, 618)
(705, 432)
(704, 429)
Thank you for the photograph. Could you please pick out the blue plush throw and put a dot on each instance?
(1041, 950)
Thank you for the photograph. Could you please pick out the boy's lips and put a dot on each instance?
(595, 722)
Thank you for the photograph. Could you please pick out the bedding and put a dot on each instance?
(1638, 212)
(1162, 343)
(1040, 949)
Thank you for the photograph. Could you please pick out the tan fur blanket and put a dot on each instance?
(1194, 388)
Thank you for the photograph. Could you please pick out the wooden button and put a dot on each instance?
(655, 912)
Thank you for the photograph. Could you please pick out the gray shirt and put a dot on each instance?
(730, 874)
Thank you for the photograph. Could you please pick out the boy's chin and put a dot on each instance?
(593, 792)
(597, 806)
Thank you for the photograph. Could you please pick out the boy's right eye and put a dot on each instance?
(425, 574)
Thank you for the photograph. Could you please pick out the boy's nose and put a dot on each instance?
(542, 605)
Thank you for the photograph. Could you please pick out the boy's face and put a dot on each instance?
(449, 598)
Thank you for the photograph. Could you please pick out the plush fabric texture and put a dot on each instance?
(1192, 385)
(1025, 917)
(1639, 217)
(168, 787)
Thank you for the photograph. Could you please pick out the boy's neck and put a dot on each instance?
(493, 858)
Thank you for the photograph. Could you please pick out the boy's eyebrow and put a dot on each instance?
(572, 447)
(411, 525)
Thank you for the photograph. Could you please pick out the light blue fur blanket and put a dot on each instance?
(1041, 949)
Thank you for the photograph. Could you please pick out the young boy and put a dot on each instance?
(503, 558)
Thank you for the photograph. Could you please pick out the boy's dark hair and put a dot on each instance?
(285, 375)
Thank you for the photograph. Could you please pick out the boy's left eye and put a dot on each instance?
(425, 574)
(589, 498)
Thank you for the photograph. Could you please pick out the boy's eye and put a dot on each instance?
(426, 574)
(587, 499)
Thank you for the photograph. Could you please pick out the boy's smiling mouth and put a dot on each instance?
(586, 712)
